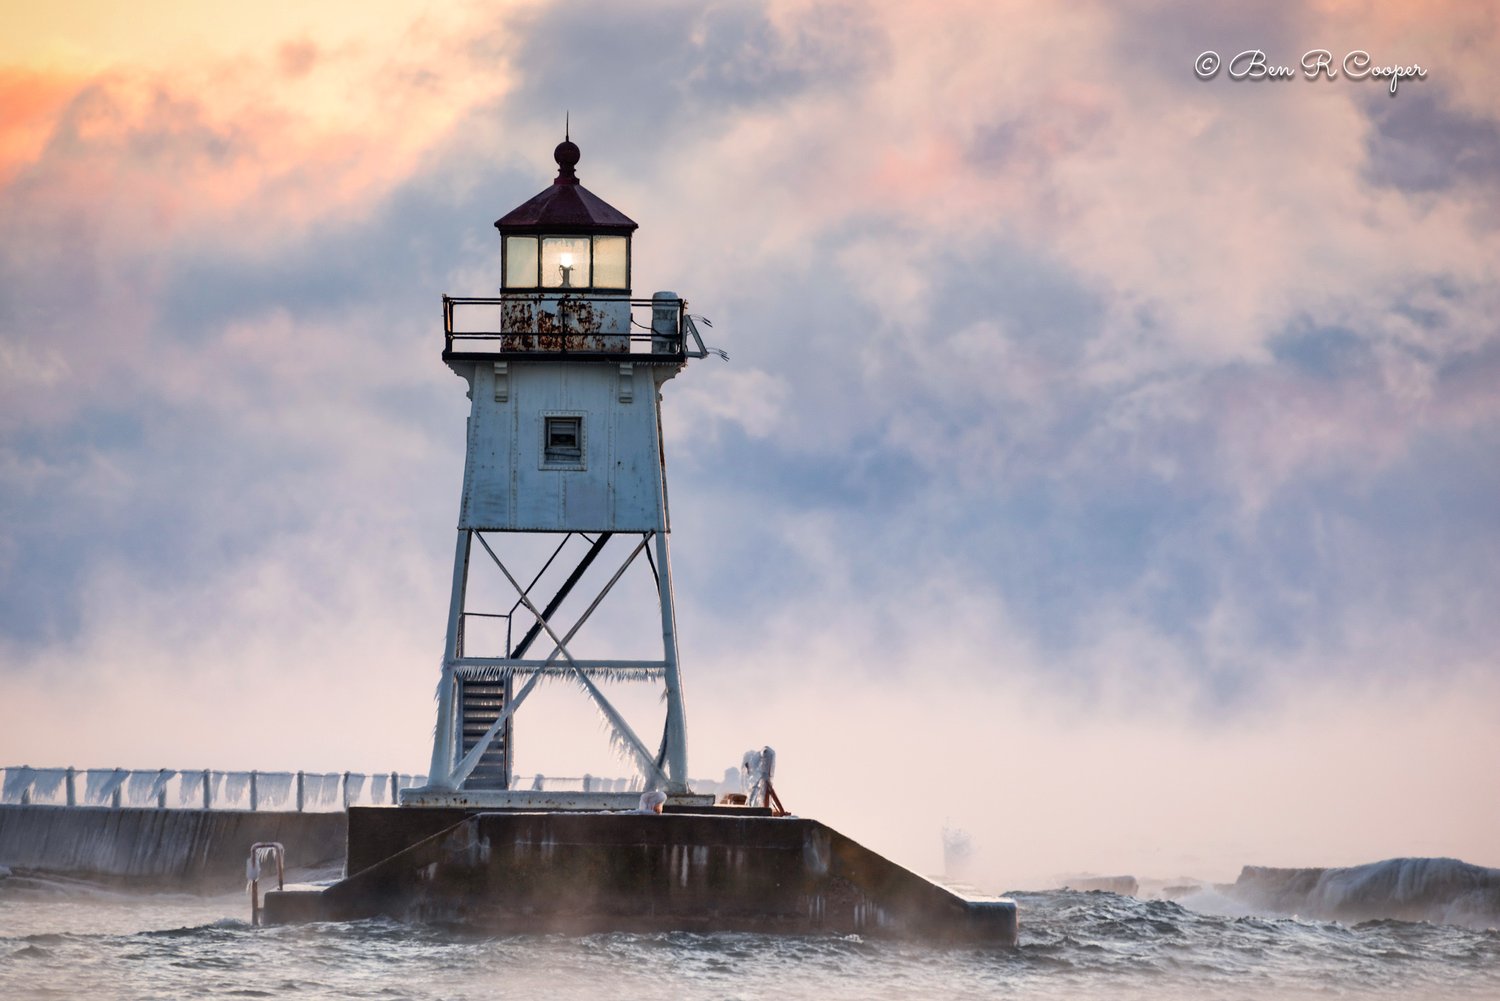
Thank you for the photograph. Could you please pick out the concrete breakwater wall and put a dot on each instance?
(577, 872)
(203, 850)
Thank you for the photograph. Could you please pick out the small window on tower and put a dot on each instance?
(562, 441)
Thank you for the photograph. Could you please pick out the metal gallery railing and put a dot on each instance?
(306, 792)
(580, 325)
(202, 789)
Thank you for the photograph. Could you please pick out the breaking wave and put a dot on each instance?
(1437, 890)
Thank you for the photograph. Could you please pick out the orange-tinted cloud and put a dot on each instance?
(30, 102)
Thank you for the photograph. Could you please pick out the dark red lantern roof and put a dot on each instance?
(566, 206)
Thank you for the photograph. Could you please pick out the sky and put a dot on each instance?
(1106, 461)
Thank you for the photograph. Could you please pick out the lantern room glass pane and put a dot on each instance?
(565, 262)
(520, 262)
(610, 262)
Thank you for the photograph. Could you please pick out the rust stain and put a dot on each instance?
(575, 325)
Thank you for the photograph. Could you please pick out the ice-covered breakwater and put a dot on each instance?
(167, 828)
(201, 789)
(1439, 890)
(178, 829)
(162, 849)
(209, 789)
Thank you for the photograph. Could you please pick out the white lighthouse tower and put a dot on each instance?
(564, 459)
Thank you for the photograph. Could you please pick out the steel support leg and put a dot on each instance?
(444, 742)
(676, 730)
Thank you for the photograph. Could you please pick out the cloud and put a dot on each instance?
(29, 101)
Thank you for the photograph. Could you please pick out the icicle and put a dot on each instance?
(235, 786)
(493, 674)
(320, 790)
(313, 790)
(355, 789)
(159, 782)
(101, 784)
(190, 789)
(273, 788)
(48, 782)
(624, 748)
(377, 788)
(138, 789)
(17, 782)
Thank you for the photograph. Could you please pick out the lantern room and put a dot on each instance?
(566, 240)
(565, 277)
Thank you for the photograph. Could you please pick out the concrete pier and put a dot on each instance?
(198, 850)
(587, 872)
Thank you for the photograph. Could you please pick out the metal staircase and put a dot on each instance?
(480, 704)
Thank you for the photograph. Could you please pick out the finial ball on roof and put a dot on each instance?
(566, 154)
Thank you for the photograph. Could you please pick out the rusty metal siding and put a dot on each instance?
(564, 322)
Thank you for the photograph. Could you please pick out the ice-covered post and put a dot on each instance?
(394, 785)
(161, 789)
(299, 792)
(72, 786)
(208, 801)
(345, 797)
(114, 799)
(254, 793)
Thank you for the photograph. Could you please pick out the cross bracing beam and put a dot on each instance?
(562, 592)
(494, 669)
(546, 616)
(644, 758)
(640, 547)
(664, 768)
(497, 668)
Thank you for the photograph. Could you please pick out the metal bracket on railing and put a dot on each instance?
(261, 854)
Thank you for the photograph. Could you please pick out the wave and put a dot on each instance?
(1436, 890)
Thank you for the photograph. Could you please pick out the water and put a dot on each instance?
(68, 940)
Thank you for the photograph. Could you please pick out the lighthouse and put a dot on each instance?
(564, 508)
(564, 496)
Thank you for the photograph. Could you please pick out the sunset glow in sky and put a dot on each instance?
(1108, 462)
